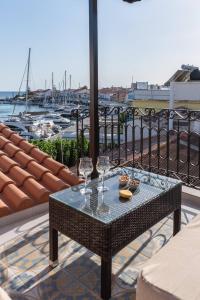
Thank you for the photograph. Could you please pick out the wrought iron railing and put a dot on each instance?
(165, 142)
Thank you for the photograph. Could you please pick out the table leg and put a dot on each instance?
(53, 247)
(106, 277)
(177, 221)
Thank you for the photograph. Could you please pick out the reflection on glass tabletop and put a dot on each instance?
(108, 206)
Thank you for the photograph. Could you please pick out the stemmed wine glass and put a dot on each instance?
(85, 169)
(103, 208)
(103, 166)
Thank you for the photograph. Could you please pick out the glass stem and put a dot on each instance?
(103, 181)
(85, 182)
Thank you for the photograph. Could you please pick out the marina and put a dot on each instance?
(37, 123)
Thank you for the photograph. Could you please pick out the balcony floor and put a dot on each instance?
(24, 262)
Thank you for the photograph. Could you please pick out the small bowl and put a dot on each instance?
(133, 184)
(124, 180)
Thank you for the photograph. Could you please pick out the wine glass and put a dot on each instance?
(85, 206)
(103, 208)
(85, 169)
(103, 166)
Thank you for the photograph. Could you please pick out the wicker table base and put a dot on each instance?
(107, 237)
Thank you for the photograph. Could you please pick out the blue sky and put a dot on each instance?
(149, 40)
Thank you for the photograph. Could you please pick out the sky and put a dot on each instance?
(148, 40)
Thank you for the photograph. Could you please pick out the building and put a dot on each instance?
(182, 89)
(116, 94)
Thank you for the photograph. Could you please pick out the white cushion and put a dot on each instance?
(174, 272)
(4, 295)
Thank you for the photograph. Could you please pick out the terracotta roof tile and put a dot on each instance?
(53, 165)
(67, 176)
(1, 153)
(36, 169)
(36, 191)
(53, 183)
(23, 159)
(16, 199)
(27, 175)
(16, 139)
(3, 142)
(27, 147)
(38, 154)
(5, 180)
(18, 175)
(4, 209)
(2, 126)
(6, 163)
(11, 149)
(7, 132)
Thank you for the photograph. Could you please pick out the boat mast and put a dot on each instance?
(45, 89)
(132, 87)
(27, 80)
(52, 93)
(70, 86)
(65, 86)
(70, 82)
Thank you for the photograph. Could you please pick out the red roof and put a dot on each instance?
(27, 175)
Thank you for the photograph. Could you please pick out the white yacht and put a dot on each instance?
(57, 120)
(69, 108)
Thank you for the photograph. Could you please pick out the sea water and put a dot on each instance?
(9, 109)
(5, 95)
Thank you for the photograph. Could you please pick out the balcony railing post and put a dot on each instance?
(94, 118)
(76, 114)
(188, 147)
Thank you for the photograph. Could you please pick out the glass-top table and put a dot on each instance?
(108, 206)
(105, 223)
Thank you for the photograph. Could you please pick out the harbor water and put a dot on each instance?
(7, 95)
(7, 110)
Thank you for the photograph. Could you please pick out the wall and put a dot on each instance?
(186, 91)
(151, 94)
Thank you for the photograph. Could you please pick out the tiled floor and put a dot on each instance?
(24, 264)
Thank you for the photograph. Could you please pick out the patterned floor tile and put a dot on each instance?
(153, 246)
(80, 266)
(14, 283)
(92, 279)
(123, 256)
(36, 237)
(123, 288)
(4, 276)
(24, 264)
(120, 284)
(186, 217)
(22, 256)
(152, 240)
(40, 240)
(61, 286)
(125, 296)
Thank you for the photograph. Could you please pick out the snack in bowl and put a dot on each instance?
(133, 184)
(126, 194)
(123, 180)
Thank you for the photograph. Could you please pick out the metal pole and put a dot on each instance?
(52, 86)
(65, 87)
(94, 118)
(70, 81)
(27, 80)
(171, 104)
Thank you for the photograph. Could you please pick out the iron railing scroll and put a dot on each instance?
(166, 142)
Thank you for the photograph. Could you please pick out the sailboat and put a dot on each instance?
(25, 124)
(51, 104)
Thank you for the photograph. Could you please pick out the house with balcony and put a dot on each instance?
(181, 90)
(30, 176)
(131, 234)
